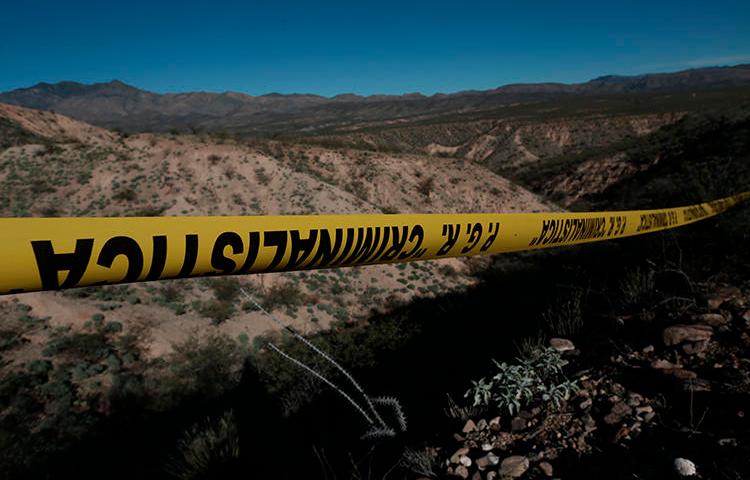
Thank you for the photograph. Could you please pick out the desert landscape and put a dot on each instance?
(624, 359)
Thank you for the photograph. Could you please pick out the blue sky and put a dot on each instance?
(362, 47)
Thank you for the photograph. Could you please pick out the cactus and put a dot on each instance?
(378, 427)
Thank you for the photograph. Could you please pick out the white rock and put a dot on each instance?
(684, 467)
(561, 344)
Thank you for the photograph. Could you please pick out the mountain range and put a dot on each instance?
(118, 105)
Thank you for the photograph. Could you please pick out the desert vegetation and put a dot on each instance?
(532, 365)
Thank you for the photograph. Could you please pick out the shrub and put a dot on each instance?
(225, 289)
(421, 462)
(91, 346)
(126, 194)
(261, 176)
(565, 316)
(285, 294)
(537, 379)
(206, 448)
(426, 186)
(216, 310)
(206, 365)
(637, 286)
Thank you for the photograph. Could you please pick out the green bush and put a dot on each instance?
(537, 379)
(285, 294)
(206, 365)
(216, 310)
(90, 346)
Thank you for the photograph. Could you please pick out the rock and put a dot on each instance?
(714, 302)
(561, 344)
(469, 426)
(612, 419)
(487, 461)
(684, 467)
(677, 334)
(514, 466)
(456, 457)
(649, 416)
(486, 447)
(712, 319)
(619, 410)
(464, 460)
(481, 424)
(622, 408)
(746, 318)
(634, 399)
(682, 374)
(648, 349)
(664, 365)
(546, 468)
(458, 437)
(694, 348)
(492, 475)
(644, 409)
(517, 424)
(461, 471)
(585, 404)
(721, 295)
(495, 423)
(476, 476)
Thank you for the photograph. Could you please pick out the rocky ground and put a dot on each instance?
(681, 391)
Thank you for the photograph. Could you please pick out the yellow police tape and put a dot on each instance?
(53, 253)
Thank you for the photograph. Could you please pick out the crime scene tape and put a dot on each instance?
(56, 253)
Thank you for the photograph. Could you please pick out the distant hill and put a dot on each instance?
(117, 105)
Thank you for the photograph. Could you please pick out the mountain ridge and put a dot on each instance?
(115, 104)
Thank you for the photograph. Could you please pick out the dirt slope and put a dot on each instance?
(84, 170)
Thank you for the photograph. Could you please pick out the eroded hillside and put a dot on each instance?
(69, 168)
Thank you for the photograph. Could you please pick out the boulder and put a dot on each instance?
(546, 468)
(684, 467)
(712, 319)
(677, 334)
(461, 471)
(487, 461)
(660, 364)
(561, 344)
(469, 426)
(495, 424)
(694, 348)
(721, 295)
(514, 466)
(456, 457)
